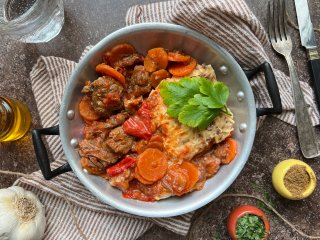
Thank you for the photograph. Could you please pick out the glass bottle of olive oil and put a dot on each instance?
(15, 119)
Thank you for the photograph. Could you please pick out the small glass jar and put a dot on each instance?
(15, 119)
(31, 21)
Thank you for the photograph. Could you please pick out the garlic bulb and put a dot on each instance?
(22, 216)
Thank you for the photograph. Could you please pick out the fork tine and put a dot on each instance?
(281, 19)
(276, 20)
(270, 23)
(285, 19)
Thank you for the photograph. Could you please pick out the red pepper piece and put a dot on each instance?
(134, 194)
(135, 127)
(139, 125)
(145, 115)
(121, 166)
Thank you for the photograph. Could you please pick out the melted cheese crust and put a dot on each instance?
(182, 142)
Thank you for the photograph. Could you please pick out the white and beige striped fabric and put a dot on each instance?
(229, 23)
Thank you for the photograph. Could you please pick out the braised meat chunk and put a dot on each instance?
(96, 155)
(99, 149)
(106, 95)
(96, 129)
(102, 129)
(133, 104)
(128, 61)
(116, 120)
(93, 165)
(139, 82)
(119, 141)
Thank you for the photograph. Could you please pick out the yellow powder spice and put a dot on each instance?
(297, 180)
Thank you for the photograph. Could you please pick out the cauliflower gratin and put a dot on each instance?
(155, 126)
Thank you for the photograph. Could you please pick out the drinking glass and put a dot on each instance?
(31, 21)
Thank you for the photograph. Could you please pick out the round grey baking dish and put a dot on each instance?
(143, 37)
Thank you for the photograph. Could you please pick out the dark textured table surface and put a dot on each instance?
(86, 22)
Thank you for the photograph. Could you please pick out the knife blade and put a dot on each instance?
(308, 40)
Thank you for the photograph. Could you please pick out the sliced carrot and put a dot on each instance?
(178, 179)
(177, 57)
(156, 138)
(232, 150)
(119, 51)
(152, 164)
(193, 173)
(156, 141)
(86, 110)
(157, 58)
(158, 76)
(160, 56)
(157, 145)
(149, 64)
(140, 178)
(110, 71)
(226, 150)
(184, 68)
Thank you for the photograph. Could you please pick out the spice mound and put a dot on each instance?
(297, 180)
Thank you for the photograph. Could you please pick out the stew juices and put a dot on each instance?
(14, 119)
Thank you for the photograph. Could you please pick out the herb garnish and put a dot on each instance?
(194, 101)
(250, 227)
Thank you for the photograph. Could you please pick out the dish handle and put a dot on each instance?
(272, 88)
(41, 151)
(42, 155)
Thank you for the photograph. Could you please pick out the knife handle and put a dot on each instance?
(315, 74)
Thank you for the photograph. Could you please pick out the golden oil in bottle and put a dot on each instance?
(15, 119)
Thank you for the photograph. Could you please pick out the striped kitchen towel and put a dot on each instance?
(231, 24)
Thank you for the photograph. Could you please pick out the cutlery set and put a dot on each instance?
(281, 42)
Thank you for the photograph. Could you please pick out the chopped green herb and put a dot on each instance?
(217, 94)
(194, 101)
(177, 94)
(250, 227)
(197, 116)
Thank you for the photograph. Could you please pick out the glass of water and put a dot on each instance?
(31, 21)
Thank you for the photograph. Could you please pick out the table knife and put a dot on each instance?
(308, 41)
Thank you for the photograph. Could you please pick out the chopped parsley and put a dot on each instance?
(194, 101)
(250, 227)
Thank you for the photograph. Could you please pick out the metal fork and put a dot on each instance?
(281, 42)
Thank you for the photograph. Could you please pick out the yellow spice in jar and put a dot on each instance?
(297, 180)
